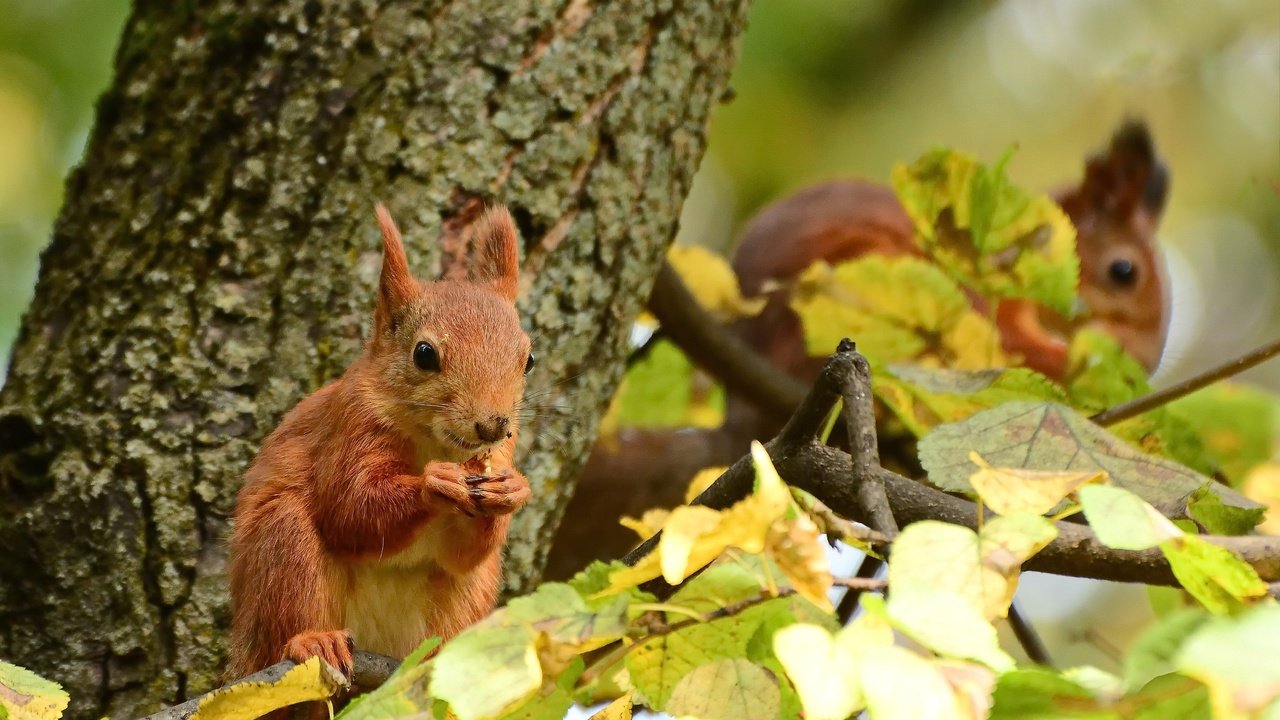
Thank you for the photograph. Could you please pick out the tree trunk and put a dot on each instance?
(216, 259)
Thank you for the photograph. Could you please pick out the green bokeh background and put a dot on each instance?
(830, 88)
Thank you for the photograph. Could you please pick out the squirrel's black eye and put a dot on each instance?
(425, 357)
(528, 364)
(1122, 272)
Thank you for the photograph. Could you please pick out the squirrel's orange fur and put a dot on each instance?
(1115, 210)
(374, 515)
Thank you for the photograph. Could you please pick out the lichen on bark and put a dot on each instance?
(215, 260)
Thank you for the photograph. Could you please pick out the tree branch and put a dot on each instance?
(716, 349)
(823, 472)
(1154, 400)
(368, 672)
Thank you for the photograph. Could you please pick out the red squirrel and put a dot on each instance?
(1115, 209)
(374, 515)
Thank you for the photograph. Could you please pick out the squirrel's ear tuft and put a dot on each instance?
(396, 286)
(496, 259)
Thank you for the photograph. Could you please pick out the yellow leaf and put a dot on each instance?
(1017, 490)
(981, 568)
(973, 685)
(796, 547)
(1263, 484)
(312, 680)
(619, 709)
(695, 535)
(973, 343)
(901, 685)
(701, 481)
(822, 667)
(648, 524)
(712, 282)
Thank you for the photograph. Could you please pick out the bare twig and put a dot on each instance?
(1154, 400)
(369, 671)
(717, 350)
(861, 584)
(1028, 638)
(860, 422)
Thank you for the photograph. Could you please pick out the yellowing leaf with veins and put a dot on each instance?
(899, 309)
(312, 680)
(798, 551)
(694, 535)
(981, 568)
(726, 689)
(997, 238)
(1018, 490)
(712, 282)
(25, 695)
(1214, 575)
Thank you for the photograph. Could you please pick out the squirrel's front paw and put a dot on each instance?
(499, 494)
(448, 481)
(333, 646)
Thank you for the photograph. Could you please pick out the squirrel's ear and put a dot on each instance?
(396, 286)
(496, 258)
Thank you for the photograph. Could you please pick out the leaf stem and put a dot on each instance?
(1154, 400)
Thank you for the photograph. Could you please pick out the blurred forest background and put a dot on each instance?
(829, 88)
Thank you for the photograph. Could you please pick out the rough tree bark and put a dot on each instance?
(216, 257)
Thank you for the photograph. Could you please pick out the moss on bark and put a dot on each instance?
(216, 257)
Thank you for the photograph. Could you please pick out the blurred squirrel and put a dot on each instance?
(1115, 210)
(374, 515)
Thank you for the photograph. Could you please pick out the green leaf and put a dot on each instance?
(994, 237)
(1236, 658)
(1218, 518)
(1237, 424)
(925, 397)
(559, 611)
(1155, 649)
(1047, 436)
(659, 663)
(404, 693)
(728, 689)
(949, 625)
(1214, 575)
(1100, 374)
(1124, 521)
(554, 699)
(486, 671)
(1044, 694)
(658, 391)
(1171, 697)
(25, 695)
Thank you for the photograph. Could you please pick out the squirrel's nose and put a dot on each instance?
(493, 430)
